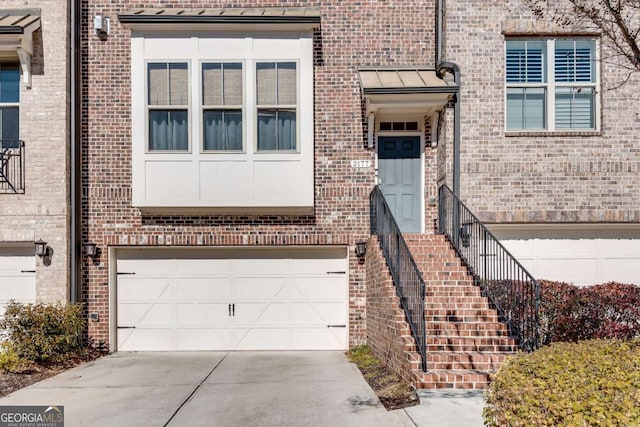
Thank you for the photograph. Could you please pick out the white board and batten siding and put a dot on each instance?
(579, 255)
(232, 299)
(17, 275)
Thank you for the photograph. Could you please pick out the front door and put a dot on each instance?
(399, 172)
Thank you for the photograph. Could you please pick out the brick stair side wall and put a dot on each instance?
(388, 333)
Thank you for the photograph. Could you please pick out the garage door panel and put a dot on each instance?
(149, 314)
(274, 293)
(581, 271)
(327, 313)
(580, 256)
(261, 313)
(144, 267)
(203, 288)
(145, 339)
(203, 313)
(260, 288)
(263, 266)
(319, 338)
(20, 288)
(207, 267)
(262, 338)
(325, 287)
(319, 265)
(17, 275)
(620, 269)
(189, 339)
(144, 289)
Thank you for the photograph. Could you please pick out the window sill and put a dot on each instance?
(550, 134)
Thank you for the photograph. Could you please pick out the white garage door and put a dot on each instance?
(232, 300)
(582, 256)
(17, 275)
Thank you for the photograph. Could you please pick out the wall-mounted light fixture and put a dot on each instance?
(361, 250)
(101, 26)
(42, 250)
(90, 249)
(465, 234)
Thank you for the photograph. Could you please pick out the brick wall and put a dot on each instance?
(43, 210)
(388, 333)
(350, 36)
(588, 177)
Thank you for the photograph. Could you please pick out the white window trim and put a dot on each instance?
(550, 87)
(242, 108)
(149, 107)
(257, 107)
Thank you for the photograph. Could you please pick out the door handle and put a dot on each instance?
(336, 326)
(233, 309)
(229, 310)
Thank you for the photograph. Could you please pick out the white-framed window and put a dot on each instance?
(551, 84)
(9, 104)
(222, 106)
(277, 105)
(168, 106)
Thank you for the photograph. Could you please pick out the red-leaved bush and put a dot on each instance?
(571, 313)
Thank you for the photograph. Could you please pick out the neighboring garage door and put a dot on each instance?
(17, 275)
(263, 299)
(580, 255)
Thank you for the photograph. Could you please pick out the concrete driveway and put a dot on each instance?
(213, 389)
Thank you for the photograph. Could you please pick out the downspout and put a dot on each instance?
(443, 68)
(75, 131)
(439, 32)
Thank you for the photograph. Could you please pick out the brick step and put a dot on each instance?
(451, 291)
(458, 379)
(484, 312)
(455, 301)
(479, 329)
(465, 360)
(467, 344)
(430, 304)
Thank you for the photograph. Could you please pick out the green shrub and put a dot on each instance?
(43, 333)
(589, 383)
(9, 360)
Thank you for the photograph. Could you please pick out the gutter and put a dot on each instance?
(75, 134)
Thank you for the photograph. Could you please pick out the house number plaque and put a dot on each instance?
(360, 163)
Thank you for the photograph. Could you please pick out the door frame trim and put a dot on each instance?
(419, 133)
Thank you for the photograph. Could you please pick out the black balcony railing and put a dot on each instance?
(407, 278)
(11, 166)
(513, 291)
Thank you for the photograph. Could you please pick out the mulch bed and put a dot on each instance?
(390, 389)
(12, 381)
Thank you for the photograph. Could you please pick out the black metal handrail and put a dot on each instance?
(406, 276)
(513, 291)
(11, 166)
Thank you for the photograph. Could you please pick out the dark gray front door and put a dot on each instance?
(399, 172)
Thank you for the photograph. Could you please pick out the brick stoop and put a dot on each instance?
(466, 342)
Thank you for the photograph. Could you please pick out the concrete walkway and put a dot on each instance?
(214, 389)
(448, 408)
